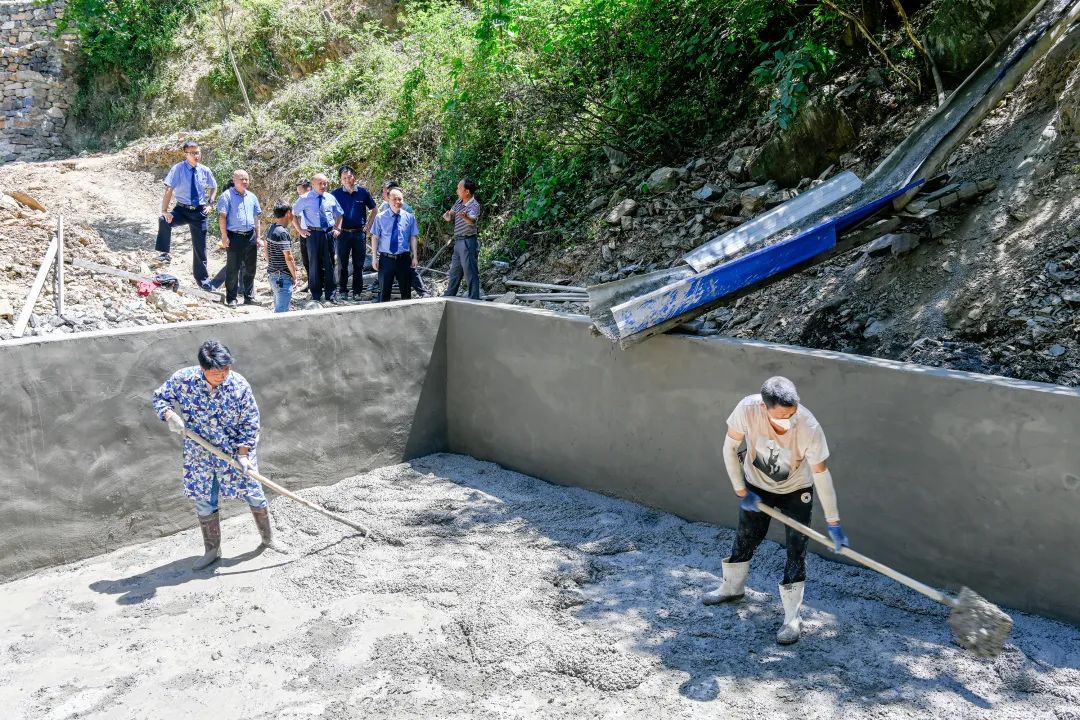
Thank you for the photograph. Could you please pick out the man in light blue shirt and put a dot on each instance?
(193, 186)
(394, 236)
(238, 219)
(417, 283)
(317, 218)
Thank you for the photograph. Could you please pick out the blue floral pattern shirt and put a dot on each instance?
(227, 416)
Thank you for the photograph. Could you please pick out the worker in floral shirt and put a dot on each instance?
(217, 404)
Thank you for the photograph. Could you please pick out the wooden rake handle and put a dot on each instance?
(847, 552)
(267, 482)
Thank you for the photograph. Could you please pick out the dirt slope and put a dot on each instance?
(110, 212)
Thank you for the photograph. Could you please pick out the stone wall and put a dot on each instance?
(35, 80)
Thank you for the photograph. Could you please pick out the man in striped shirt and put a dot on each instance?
(464, 214)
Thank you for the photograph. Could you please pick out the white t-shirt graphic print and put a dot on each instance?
(779, 463)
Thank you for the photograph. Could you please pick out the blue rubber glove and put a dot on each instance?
(838, 537)
(245, 463)
(749, 502)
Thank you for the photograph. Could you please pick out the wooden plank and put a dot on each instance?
(545, 286)
(35, 289)
(555, 297)
(116, 272)
(60, 266)
(939, 193)
(754, 233)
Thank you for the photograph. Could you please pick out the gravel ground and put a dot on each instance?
(492, 595)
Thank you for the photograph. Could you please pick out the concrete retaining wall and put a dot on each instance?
(954, 478)
(85, 465)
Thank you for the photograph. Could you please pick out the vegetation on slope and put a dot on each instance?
(523, 95)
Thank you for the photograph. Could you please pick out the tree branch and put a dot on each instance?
(870, 39)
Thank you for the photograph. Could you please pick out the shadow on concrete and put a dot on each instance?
(866, 641)
(428, 429)
(143, 586)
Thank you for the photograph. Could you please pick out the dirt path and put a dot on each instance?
(506, 597)
(110, 211)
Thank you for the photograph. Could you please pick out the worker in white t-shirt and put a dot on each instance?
(783, 464)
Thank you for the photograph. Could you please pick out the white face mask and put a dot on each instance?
(783, 424)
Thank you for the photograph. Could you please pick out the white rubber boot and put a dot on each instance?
(734, 585)
(791, 595)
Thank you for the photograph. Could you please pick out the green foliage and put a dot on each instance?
(122, 45)
(270, 39)
(521, 95)
(129, 37)
(791, 71)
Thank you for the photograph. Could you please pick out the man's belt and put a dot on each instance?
(242, 232)
(189, 207)
(345, 229)
(395, 255)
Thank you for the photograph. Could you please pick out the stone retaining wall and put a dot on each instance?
(36, 80)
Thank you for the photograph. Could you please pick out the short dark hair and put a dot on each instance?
(303, 182)
(188, 144)
(344, 169)
(390, 185)
(779, 391)
(469, 184)
(214, 356)
(282, 209)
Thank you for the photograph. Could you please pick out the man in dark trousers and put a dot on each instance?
(417, 282)
(394, 237)
(193, 187)
(302, 188)
(317, 217)
(217, 404)
(464, 214)
(240, 225)
(783, 463)
(355, 202)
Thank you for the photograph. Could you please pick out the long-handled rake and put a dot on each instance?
(267, 482)
(977, 624)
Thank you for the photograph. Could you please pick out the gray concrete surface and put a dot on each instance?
(86, 466)
(502, 597)
(954, 478)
